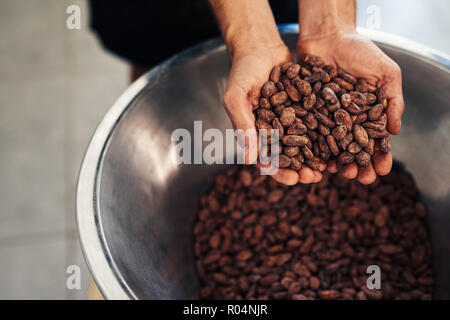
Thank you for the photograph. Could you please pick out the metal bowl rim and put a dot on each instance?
(90, 231)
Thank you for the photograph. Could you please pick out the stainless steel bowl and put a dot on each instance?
(135, 208)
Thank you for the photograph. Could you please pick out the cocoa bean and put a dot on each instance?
(346, 158)
(363, 158)
(375, 112)
(303, 86)
(275, 74)
(278, 98)
(293, 94)
(293, 71)
(295, 141)
(265, 115)
(287, 116)
(324, 120)
(341, 117)
(360, 135)
(268, 89)
(297, 129)
(309, 101)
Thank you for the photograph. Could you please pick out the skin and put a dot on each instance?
(327, 30)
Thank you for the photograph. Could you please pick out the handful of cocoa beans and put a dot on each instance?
(322, 113)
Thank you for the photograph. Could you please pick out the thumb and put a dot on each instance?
(239, 109)
(394, 95)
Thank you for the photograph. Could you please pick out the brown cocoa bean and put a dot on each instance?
(329, 96)
(284, 161)
(342, 117)
(276, 124)
(343, 84)
(295, 141)
(360, 135)
(265, 114)
(303, 86)
(339, 132)
(293, 71)
(348, 77)
(358, 98)
(275, 74)
(346, 158)
(278, 98)
(375, 112)
(313, 163)
(313, 61)
(297, 129)
(268, 89)
(381, 98)
(299, 111)
(346, 99)
(324, 120)
(309, 101)
(293, 94)
(332, 145)
(363, 158)
(311, 121)
(323, 130)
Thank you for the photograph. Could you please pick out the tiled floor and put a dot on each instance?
(55, 85)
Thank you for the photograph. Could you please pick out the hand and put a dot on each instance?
(250, 70)
(360, 57)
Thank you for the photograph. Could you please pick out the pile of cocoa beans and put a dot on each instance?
(258, 239)
(322, 113)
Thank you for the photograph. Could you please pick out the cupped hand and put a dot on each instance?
(249, 71)
(355, 54)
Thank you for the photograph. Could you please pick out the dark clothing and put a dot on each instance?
(147, 32)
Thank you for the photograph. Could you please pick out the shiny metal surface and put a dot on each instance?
(135, 208)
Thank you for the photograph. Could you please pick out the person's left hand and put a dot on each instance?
(360, 57)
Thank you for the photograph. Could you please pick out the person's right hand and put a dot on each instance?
(250, 70)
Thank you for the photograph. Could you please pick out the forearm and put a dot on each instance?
(246, 24)
(321, 18)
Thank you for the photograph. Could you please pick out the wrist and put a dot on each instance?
(246, 39)
(326, 18)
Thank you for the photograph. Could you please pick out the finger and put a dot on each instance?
(367, 174)
(394, 114)
(349, 171)
(394, 95)
(322, 165)
(286, 176)
(306, 175)
(332, 166)
(317, 176)
(382, 163)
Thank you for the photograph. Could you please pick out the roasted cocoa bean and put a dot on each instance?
(275, 74)
(375, 112)
(293, 93)
(360, 135)
(341, 117)
(287, 116)
(295, 141)
(268, 89)
(278, 98)
(293, 71)
(309, 101)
